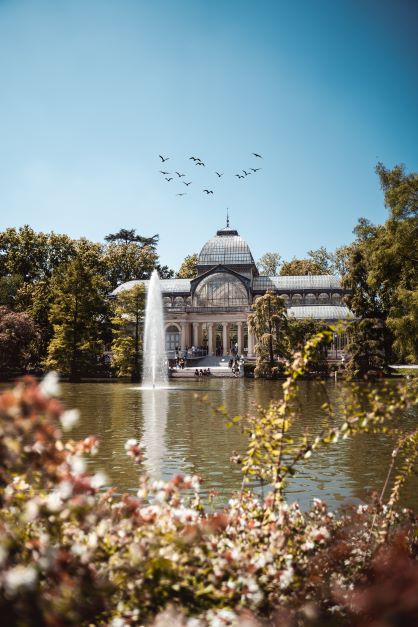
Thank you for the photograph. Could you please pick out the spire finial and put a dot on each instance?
(227, 219)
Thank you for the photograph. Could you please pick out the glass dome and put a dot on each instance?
(220, 290)
(226, 248)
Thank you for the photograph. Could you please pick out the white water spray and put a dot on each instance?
(155, 359)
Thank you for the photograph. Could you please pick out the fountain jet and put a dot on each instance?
(155, 359)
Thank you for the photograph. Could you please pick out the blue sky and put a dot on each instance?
(92, 91)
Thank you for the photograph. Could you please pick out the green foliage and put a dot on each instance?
(188, 269)
(18, 341)
(269, 264)
(128, 236)
(301, 267)
(78, 307)
(128, 316)
(324, 260)
(269, 325)
(128, 262)
(382, 270)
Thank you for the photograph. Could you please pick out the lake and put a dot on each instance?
(182, 433)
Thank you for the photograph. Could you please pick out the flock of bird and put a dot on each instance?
(169, 176)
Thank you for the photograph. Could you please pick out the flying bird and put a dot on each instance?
(221, 174)
(162, 172)
(180, 175)
(163, 159)
(183, 194)
(187, 184)
(257, 155)
(195, 158)
(208, 191)
(199, 162)
(246, 173)
(168, 180)
(239, 176)
(255, 169)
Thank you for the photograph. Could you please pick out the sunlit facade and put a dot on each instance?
(210, 312)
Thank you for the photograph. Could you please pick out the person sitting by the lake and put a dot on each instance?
(196, 373)
(201, 373)
(230, 363)
(209, 372)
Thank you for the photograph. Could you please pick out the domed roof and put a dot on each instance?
(226, 248)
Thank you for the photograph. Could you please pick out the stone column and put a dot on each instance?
(225, 338)
(251, 341)
(196, 329)
(211, 350)
(240, 346)
(183, 334)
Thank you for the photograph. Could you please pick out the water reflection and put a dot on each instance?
(154, 423)
(182, 433)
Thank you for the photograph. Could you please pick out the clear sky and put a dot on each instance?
(92, 91)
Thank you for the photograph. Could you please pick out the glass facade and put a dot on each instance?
(226, 249)
(220, 290)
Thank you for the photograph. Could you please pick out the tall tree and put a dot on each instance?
(18, 340)
(270, 326)
(128, 262)
(268, 264)
(300, 267)
(128, 318)
(78, 307)
(324, 259)
(188, 269)
(128, 236)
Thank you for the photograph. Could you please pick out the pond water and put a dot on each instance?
(180, 432)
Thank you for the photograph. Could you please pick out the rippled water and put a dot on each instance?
(181, 433)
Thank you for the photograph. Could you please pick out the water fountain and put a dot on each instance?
(155, 359)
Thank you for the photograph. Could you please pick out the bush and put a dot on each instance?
(73, 553)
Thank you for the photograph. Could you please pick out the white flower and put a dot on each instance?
(65, 489)
(54, 502)
(286, 577)
(98, 480)
(31, 510)
(128, 445)
(118, 622)
(69, 419)
(49, 385)
(18, 578)
(78, 465)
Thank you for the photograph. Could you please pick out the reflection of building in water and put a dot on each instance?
(211, 310)
(154, 412)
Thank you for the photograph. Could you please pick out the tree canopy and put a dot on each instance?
(270, 327)
(268, 264)
(188, 269)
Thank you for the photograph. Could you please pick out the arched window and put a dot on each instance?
(286, 299)
(297, 299)
(172, 338)
(178, 301)
(167, 301)
(336, 299)
(220, 290)
(310, 299)
(323, 298)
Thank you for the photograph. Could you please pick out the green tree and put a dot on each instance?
(188, 269)
(268, 264)
(324, 259)
(128, 262)
(18, 340)
(128, 318)
(300, 267)
(77, 311)
(270, 326)
(128, 236)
